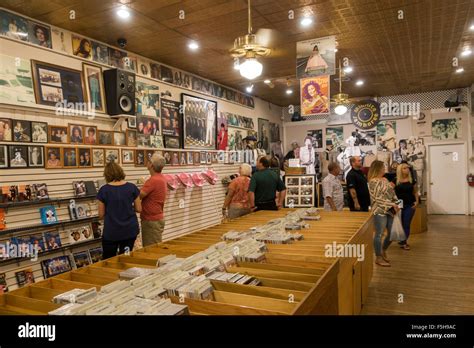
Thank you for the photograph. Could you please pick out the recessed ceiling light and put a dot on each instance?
(306, 21)
(466, 52)
(471, 27)
(123, 12)
(267, 81)
(193, 45)
(459, 70)
(360, 82)
(289, 91)
(249, 88)
(348, 69)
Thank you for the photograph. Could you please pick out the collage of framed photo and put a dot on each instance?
(21, 156)
(300, 191)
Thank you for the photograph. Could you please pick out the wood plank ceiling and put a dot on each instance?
(393, 56)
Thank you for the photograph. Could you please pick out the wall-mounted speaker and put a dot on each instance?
(119, 92)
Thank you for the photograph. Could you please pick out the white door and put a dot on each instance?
(447, 189)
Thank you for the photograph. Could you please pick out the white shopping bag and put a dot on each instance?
(397, 233)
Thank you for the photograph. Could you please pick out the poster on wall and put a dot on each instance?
(39, 34)
(13, 26)
(61, 40)
(422, 124)
(94, 86)
(55, 84)
(317, 136)
(223, 133)
(170, 120)
(387, 135)
(81, 47)
(314, 95)
(199, 122)
(264, 134)
(316, 57)
(100, 53)
(447, 128)
(236, 137)
(147, 99)
(17, 84)
(365, 137)
(274, 132)
(334, 137)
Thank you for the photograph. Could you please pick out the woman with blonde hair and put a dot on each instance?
(118, 203)
(384, 207)
(237, 201)
(406, 190)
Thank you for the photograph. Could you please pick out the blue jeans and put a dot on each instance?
(407, 216)
(382, 222)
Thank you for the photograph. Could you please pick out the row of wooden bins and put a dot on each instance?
(297, 278)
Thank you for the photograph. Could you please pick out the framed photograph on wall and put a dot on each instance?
(171, 142)
(55, 84)
(199, 122)
(190, 158)
(148, 125)
(264, 134)
(53, 157)
(3, 156)
(39, 132)
(39, 34)
(21, 131)
(18, 155)
(6, 133)
(119, 139)
(76, 134)
(18, 88)
(105, 137)
(90, 135)
(81, 47)
(70, 157)
(131, 136)
(13, 26)
(58, 134)
(139, 158)
(98, 157)
(35, 156)
(156, 141)
(85, 157)
(128, 156)
(132, 121)
(94, 87)
(112, 155)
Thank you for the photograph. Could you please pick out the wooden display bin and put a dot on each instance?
(297, 278)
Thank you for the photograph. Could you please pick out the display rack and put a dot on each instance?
(57, 201)
(58, 224)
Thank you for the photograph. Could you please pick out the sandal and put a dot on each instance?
(405, 247)
(381, 262)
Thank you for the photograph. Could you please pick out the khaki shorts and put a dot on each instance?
(152, 232)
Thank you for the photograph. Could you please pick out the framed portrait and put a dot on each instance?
(190, 158)
(147, 99)
(167, 156)
(143, 140)
(196, 158)
(128, 156)
(39, 132)
(13, 26)
(150, 153)
(148, 125)
(139, 158)
(90, 135)
(99, 53)
(6, 133)
(156, 141)
(76, 134)
(314, 95)
(202, 157)
(175, 158)
(56, 84)
(70, 157)
(84, 157)
(208, 158)
(81, 47)
(18, 88)
(131, 136)
(199, 122)
(39, 34)
(119, 139)
(98, 157)
(112, 155)
(53, 157)
(144, 67)
(132, 121)
(264, 134)
(21, 131)
(35, 156)
(171, 142)
(155, 71)
(116, 58)
(170, 117)
(61, 40)
(214, 158)
(3, 156)
(105, 137)
(18, 156)
(182, 158)
(94, 87)
(58, 134)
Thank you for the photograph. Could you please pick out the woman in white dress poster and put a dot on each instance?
(315, 61)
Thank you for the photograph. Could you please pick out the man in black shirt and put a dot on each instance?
(359, 197)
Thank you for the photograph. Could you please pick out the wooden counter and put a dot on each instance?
(296, 278)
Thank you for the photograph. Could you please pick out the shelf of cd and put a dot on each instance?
(58, 201)
(9, 231)
(7, 261)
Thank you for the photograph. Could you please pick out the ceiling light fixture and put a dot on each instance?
(267, 81)
(193, 45)
(340, 109)
(459, 70)
(251, 68)
(306, 21)
(360, 82)
(466, 52)
(348, 69)
(123, 12)
(289, 91)
(249, 89)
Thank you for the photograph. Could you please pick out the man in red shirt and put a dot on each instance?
(153, 195)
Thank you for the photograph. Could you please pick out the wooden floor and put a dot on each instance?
(430, 278)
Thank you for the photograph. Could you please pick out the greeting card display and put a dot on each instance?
(48, 215)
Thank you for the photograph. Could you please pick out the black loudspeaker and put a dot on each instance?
(119, 92)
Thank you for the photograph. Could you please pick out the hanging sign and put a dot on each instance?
(365, 114)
